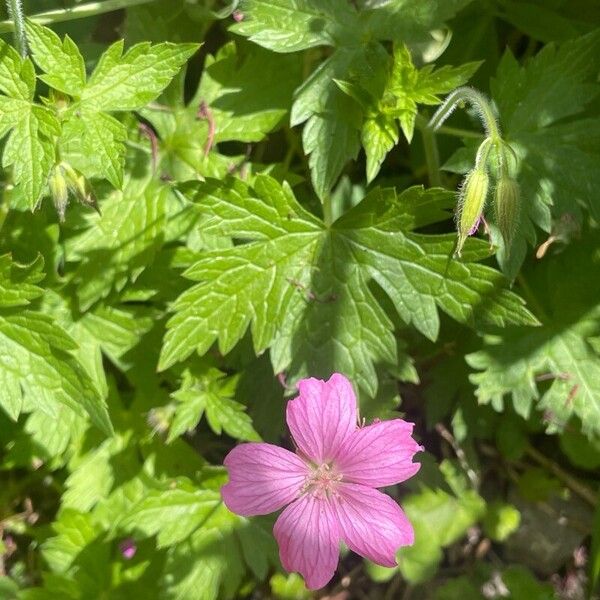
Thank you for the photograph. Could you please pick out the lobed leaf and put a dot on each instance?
(305, 289)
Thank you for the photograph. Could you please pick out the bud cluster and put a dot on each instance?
(475, 187)
(474, 192)
(64, 180)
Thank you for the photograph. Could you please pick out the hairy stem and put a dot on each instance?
(481, 104)
(77, 12)
(17, 20)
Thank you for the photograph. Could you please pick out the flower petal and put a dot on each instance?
(308, 538)
(322, 417)
(371, 523)
(262, 478)
(380, 454)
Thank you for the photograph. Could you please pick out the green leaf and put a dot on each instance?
(129, 81)
(172, 514)
(509, 365)
(78, 555)
(11, 112)
(208, 565)
(557, 357)
(331, 134)
(290, 587)
(116, 246)
(582, 451)
(549, 22)
(500, 521)
(390, 92)
(117, 329)
(51, 443)
(94, 144)
(305, 290)
(541, 107)
(74, 531)
(439, 518)
(17, 76)
(105, 330)
(37, 369)
(8, 588)
(378, 136)
(30, 151)
(18, 282)
(208, 391)
(92, 141)
(258, 548)
(410, 86)
(331, 139)
(238, 105)
(243, 106)
(92, 476)
(61, 62)
(292, 25)
(30, 147)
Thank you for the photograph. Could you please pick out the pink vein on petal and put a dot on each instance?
(262, 478)
(322, 417)
(308, 538)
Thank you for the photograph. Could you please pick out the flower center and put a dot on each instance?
(322, 480)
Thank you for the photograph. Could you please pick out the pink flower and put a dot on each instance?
(329, 483)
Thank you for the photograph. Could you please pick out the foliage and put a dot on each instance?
(260, 199)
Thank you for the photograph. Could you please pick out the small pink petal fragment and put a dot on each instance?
(262, 478)
(475, 227)
(128, 548)
(238, 16)
(322, 417)
(308, 539)
(371, 523)
(380, 454)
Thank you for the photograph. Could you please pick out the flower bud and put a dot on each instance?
(128, 548)
(507, 200)
(79, 186)
(471, 204)
(59, 191)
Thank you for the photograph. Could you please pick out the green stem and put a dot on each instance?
(77, 12)
(421, 122)
(432, 157)
(327, 212)
(17, 20)
(458, 132)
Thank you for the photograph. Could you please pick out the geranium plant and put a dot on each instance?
(299, 299)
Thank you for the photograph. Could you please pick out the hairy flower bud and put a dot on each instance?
(471, 204)
(59, 191)
(507, 201)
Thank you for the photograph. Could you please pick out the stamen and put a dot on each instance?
(322, 481)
